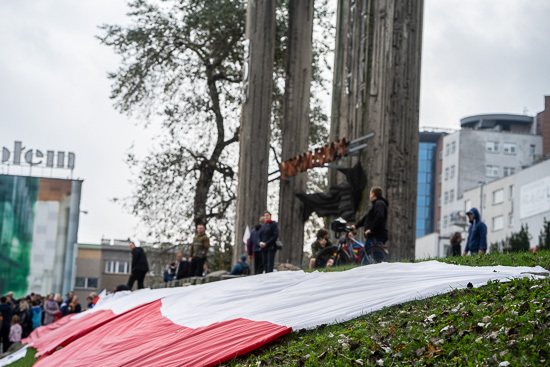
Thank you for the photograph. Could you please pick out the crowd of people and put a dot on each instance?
(262, 244)
(19, 317)
(261, 248)
(196, 264)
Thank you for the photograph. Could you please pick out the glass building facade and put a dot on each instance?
(38, 233)
(425, 201)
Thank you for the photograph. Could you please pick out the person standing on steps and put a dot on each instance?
(140, 266)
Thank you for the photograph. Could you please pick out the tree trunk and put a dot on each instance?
(379, 88)
(295, 128)
(255, 119)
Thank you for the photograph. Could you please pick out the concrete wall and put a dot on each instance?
(87, 266)
(109, 280)
(432, 246)
(532, 199)
(528, 204)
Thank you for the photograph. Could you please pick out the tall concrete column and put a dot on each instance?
(295, 130)
(255, 119)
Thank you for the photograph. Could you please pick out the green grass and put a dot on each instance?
(501, 322)
(29, 359)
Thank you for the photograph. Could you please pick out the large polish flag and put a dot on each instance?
(211, 323)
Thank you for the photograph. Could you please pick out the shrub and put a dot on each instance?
(544, 237)
(519, 241)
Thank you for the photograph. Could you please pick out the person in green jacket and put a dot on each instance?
(199, 251)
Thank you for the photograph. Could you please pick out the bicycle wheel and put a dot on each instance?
(323, 256)
(374, 255)
(342, 258)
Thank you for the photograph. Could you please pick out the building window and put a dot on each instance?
(83, 282)
(446, 174)
(446, 200)
(452, 171)
(453, 147)
(439, 201)
(507, 171)
(492, 146)
(445, 218)
(511, 192)
(498, 223)
(498, 196)
(446, 149)
(491, 171)
(451, 195)
(532, 149)
(509, 148)
(117, 267)
(510, 220)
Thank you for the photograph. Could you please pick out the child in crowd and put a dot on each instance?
(16, 330)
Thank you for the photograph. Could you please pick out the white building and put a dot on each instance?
(513, 201)
(487, 148)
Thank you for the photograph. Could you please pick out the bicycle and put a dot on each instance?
(352, 251)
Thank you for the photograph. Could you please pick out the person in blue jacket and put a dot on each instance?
(477, 234)
(241, 268)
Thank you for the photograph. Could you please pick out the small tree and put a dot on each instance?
(519, 241)
(496, 247)
(544, 236)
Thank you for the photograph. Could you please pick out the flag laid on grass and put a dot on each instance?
(214, 322)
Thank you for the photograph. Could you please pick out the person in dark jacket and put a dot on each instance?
(317, 247)
(456, 241)
(140, 266)
(477, 234)
(269, 233)
(254, 250)
(170, 273)
(182, 266)
(6, 311)
(375, 220)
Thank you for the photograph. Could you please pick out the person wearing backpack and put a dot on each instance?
(241, 268)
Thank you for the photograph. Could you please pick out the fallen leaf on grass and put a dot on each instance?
(432, 350)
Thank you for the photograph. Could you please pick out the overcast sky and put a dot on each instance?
(488, 56)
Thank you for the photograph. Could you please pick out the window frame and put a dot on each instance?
(499, 219)
(492, 146)
(498, 196)
(509, 148)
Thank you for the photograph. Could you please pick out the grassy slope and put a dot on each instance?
(499, 323)
(492, 325)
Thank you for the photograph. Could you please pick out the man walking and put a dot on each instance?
(140, 266)
(199, 251)
(477, 234)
